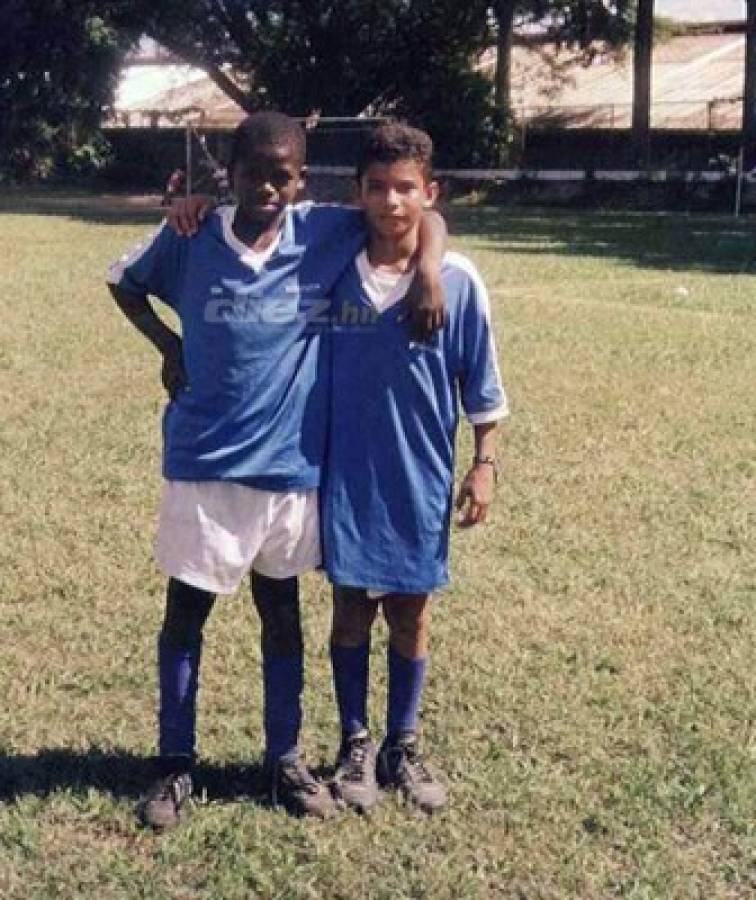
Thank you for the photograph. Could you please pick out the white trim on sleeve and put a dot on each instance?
(116, 270)
(453, 258)
(491, 415)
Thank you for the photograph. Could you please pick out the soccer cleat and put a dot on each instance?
(293, 786)
(401, 768)
(354, 781)
(165, 803)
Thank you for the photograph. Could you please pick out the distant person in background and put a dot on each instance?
(174, 187)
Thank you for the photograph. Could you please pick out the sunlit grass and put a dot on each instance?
(592, 694)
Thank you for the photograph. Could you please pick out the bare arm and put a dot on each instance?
(427, 306)
(477, 489)
(140, 312)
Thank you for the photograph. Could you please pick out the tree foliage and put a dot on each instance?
(339, 56)
(411, 57)
(749, 89)
(58, 62)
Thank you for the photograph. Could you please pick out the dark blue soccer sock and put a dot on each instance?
(406, 678)
(179, 676)
(350, 667)
(283, 678)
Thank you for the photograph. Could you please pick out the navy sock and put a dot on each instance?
(406, 678)
(350, 667)
(179, 677)
(283, 678)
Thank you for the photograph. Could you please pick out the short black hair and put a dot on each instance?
(266, 128)
(394, 142)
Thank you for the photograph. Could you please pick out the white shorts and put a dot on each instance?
(211, 533)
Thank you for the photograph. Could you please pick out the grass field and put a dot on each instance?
(592, 694)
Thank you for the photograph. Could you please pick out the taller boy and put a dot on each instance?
(244, 435)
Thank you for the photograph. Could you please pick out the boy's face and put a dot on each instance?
(395, 195)
(266, 179)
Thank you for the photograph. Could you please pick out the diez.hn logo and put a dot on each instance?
(241, 303)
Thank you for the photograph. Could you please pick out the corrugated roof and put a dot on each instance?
(701, 10)
(697, 82)
(200, 102)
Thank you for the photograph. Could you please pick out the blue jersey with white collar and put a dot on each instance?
(256, 407)
(394, 409)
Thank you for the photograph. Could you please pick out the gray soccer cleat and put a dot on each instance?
(354, 781)
(293, 786)
(401, 768)
(166, 802)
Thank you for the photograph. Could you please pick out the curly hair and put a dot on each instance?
(266, 128)
(395, 142)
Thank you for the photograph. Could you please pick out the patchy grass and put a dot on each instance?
(592, 693)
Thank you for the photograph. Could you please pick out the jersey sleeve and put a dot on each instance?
(154, 267)
(482, 392)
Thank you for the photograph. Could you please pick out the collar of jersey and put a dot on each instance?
(255, 260)
(384, 295)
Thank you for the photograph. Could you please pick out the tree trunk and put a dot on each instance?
(642, 61)
(749, 94)
(504, 11)
(231, 89)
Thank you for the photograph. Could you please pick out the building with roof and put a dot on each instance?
(193, 100)
(697, 80)
(702, 10)
(697, 83)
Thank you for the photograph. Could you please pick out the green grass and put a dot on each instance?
(592, 695)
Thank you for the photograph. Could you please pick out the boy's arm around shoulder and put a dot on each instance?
(186, 214)
(425, 298)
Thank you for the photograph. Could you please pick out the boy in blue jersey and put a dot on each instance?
(244, 436)
(387, 496)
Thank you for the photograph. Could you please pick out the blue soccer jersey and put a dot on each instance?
(256, 407)
(394, 410)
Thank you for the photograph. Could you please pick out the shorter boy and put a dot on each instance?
(388, 489)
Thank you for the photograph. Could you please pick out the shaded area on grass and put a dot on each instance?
(671, 242)
(117, 772)
(121, 209)
(716, 244)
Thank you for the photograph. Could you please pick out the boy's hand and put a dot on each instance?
(475, 495)
(427, 305)
(173, 374)
(184, 216)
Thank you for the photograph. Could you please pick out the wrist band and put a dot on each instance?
(487, 461)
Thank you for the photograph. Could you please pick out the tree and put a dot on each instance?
(504, 15)
(339, 56)
(58, 62)
(749, 93)
(580, 24)
(642, 62)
